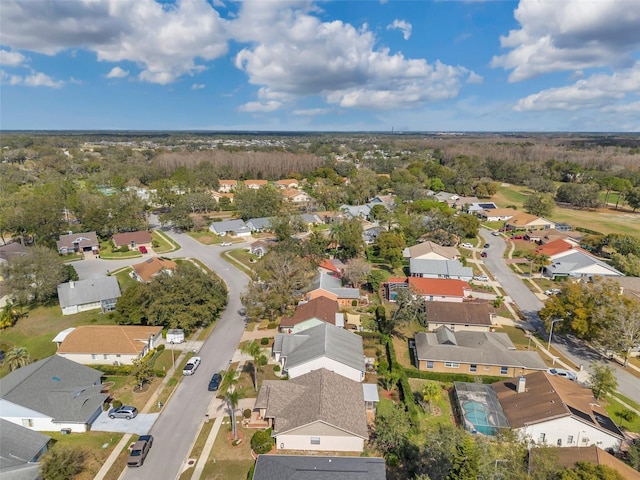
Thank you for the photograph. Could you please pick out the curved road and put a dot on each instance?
(529, 304)
(181, 418)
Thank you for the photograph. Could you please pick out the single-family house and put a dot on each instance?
(322, 346)
(145, 271)
(333, 266)
(219, 195)
(133, 240)
(287, 183)
(312, 313)
(227, 186)
(370, 234)
(477, 207)
(319, 411)
(432, 289)
(311, 219)
(297, 467)
(261, 224)
(526, 221)
(11, 250)
(20, 451)
(52, 394)
(327, 285)
(78, 243)
(477, 353)
(469, 316)
(356, 211)
(428, 268)
(235, 227)
(259, 248)
(497, 214)
(109, 344)
(295, 196)
(551, 410)
(569, 260)
(255, 184)
(431, 251)
(388, 201)
(568, 456)
(91, 294)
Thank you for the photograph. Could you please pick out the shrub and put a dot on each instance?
(354, 303)
(246, 413)
(161, 347)
(261, 442)
(155, 244)
(120, 370)
(276, 368)
(272, 325)
(116, 403)
(264, 341)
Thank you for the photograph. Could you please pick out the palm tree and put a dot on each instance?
(9, 315)
(253, 348)
(231, 397)
(16, 358)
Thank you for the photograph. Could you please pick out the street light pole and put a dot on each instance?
(553, 322)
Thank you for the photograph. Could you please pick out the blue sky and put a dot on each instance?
(527, 65)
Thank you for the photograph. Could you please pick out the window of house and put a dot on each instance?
(118, 355)
(27, 422)
(541, 438)
(315, 440)
(504, 370)
(93, 356)
(570, 440)
(429, 364)
(106, 356)
(452, 364)
(473, 368)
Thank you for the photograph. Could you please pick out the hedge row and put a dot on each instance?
(450, 377)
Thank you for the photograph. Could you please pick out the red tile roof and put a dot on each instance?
(439, 286)
(554, 247)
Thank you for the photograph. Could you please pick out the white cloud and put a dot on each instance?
(597, 91)
(312, 112)
(36, 79)
(165, 40)
(11, 59)
(269, 106)
(294, 54)
(404, 27)
(570, 35)
(197, 86)
(474, 78)
(117, 72)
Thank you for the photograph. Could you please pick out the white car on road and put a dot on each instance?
(466, 245)
(192, 365)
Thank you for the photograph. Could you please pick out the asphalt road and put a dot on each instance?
(176, 428)
(529, 304)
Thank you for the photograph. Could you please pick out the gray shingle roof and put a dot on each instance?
(88, 291)
(57, 387)
(580, 263)
(310, 218)
(306, 467)
(480, 348)
(84, 239)
(262, 223)
(225, 226)
(332, 284)
(444, 268)
(319, 396)
(19, 445)
(324, 340)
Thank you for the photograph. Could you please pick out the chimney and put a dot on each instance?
(72, 284)
(522, 383)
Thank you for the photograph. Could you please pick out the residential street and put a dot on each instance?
(180, 420)
(529, 304)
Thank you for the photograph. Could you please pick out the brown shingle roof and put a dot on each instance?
(322, 308)
(459, 313)
(152, 266)
(569, 456)
(110, 339)
(84, 239)
(547, 397)
(319, 396)
(127, 238)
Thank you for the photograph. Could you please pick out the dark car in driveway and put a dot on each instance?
(214, 384)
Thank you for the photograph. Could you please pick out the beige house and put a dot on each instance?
(287, 183)
(145, 271)
(133, 240)
(255, 184)
(497, 214)
(526, 221)
(320, 411)
(468, 316)
(295, 196)
(218, 195)
(109, 344)
(476, 353)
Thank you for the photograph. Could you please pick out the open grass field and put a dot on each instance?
(604, 221)
(97, 445)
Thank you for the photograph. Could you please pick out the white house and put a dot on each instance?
(109, 344)
(235, 227)
(52, 394)
(551, 410)
(91, 294)
(324, 346)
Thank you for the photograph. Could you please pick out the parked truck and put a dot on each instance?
(139, 451)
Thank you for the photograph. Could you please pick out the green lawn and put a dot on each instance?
(124, 279)
(614, 408)
(438, 412)
(106, 252)
(165, 244)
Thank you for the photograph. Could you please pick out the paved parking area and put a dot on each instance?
(140, 425)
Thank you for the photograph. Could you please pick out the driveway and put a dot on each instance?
(140, 425)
